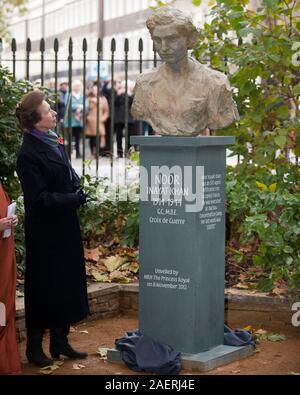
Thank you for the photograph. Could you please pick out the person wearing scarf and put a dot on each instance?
(9, 353)
(55, 277)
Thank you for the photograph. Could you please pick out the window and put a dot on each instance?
(94, 11)
(106, 9)
(110, 9)
(35, 29)
(18, 32)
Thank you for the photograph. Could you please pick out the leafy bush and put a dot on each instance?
(108, 217)
(256, 49)
(264, 220)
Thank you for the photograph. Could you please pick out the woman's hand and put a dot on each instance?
(5, 223)
(14, 220)
(8, 222)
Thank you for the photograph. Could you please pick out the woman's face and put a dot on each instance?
(169, 43)
(77, 87)
(48, 117)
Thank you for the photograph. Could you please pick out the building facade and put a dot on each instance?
(90, 19)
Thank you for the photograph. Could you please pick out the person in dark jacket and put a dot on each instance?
(120, 111)
(55, 277)
(107, 92)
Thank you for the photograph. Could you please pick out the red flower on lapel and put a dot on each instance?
(60, 140)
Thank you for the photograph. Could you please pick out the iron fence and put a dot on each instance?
(117, 66)
(124, 67)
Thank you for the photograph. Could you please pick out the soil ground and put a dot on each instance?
(272, 358)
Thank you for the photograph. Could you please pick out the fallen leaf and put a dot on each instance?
(49, 369)
(134, 267)
(277, 291)
(248, 328)
(241, 286)
(102, 278)
(126, 266)
(260, 332)
(262, 335)
(119, 277)
(77, 366)
(109, 243)
(132, 254)
(102, 352)
(274, 337)
(92, 255)
(114, 262)
(100, 267)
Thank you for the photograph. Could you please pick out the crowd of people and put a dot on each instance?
(102, 121)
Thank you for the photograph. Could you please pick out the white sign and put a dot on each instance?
(2, 314)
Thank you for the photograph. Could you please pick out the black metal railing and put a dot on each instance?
(68, 74)
(120, 67)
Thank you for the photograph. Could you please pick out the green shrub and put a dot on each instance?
(264, 215)
(108, 216)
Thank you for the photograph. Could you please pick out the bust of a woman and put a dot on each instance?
(182, 97)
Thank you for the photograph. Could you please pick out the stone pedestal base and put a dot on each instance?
(203, 361)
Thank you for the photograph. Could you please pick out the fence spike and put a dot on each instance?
(99, 45)
(42, 45)
(28, 45)
(84, 45)
(113, 45)
(13, 45)
(126, 45)
(56, 45)
(70, 46)
(141, 45)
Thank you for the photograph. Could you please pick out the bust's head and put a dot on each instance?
(173, 33)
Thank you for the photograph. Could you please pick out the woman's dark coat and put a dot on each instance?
(55, 277)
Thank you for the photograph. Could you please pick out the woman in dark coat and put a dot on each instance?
(55, 278)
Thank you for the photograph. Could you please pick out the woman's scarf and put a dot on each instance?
(50, 138)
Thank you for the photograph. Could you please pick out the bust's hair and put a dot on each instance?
(27, 110)
(166, 16)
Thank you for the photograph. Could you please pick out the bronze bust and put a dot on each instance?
(182, 97)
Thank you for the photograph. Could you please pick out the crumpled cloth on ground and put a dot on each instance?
(141, 353)
(238, 337)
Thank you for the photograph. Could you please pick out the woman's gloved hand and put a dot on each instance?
(82, 196)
